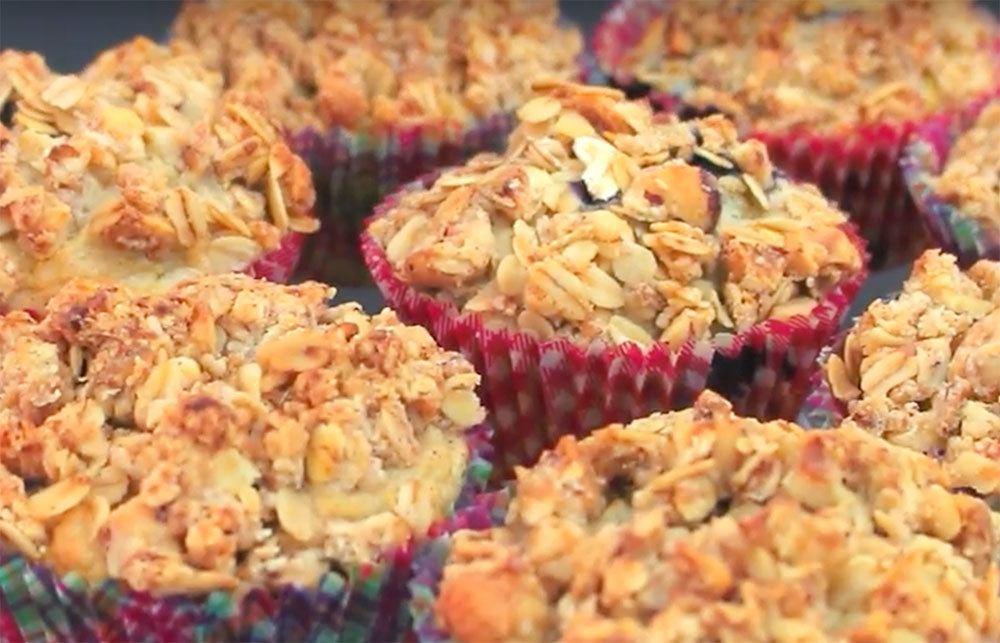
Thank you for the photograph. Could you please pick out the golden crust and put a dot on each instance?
(437, 64)
(920, 370)
(601, 221)
(970, 178)
(821, 64)
(230, 432)
(698, 525)
(140, 170)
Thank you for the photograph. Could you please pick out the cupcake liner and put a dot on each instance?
(537, 391)
(428, 563)
(279, 264)
(820, 410)
(858, 168)
(354, 170)
(357, 603)
(923, 158)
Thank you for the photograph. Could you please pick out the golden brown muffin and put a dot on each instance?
(825, 65)
(601, 221)
(366, 66)
(702, 526)
(228, 433)
(139, 170)
(922, 369)
(970, 178)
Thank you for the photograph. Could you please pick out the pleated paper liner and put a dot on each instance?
(820, 410)
(487, 511)
(536, 391)
(352, 171)
(859, 168)
(279, 264)
(357, 603)
(924, 157)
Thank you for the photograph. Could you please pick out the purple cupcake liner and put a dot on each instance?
(923, 158)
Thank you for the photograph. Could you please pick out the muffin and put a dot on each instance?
(834, 87)
(240, 457)
(954, 178)
(920, 369)
(610, 264)
(703, 526)
(377, 93)
(140, 171)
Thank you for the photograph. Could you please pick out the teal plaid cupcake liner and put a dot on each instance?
(488, 510)
(357, 603)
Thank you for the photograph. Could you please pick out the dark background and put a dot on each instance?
(69, 33)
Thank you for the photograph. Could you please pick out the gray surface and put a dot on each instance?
(69, 33)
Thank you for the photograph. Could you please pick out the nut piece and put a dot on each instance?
(674, 191)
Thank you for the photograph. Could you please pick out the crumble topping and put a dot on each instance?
(228, 433)
(698, 525)
(822, 64)
(921, 369)
(138, 170)
(371, 65)
(603, 221)
(970, 178)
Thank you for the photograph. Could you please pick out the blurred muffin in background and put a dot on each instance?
(834, 87)
(373, 94)
(140, 170)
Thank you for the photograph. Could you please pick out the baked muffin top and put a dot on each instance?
(922, 369)
(825, 65)
(230, 432)
(139, 170)
(391, 63)
(701, 526)
(970, 177)
(601, 221)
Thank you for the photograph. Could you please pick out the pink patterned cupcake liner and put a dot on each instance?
(537, 391)
(923, 158)
(859, 169)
